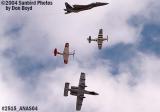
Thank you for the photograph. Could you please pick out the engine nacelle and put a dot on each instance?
(74, 93)
(74, 90)
(74, 87)
(83, 86)
(82, 96)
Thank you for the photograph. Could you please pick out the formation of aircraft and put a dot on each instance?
(78, 91)
(99, 40)
(65, 53)
(78, 8)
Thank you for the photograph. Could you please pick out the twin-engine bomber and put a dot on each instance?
(78, 91)
(78, 8)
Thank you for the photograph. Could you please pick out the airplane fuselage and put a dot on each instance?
(100, 42)
(75, 91)
(82, 7)
(78, 8)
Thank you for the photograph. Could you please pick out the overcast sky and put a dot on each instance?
(125, 72)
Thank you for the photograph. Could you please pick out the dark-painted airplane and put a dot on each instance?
(78, 8)
(78, 91)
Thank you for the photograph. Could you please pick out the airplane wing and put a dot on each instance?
(82, 82)
(66, 53)
(100, 34)
(79, 102)
(100, 39)
(81, 86)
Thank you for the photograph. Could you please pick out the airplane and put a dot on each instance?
(78, 91)
(65, 53)
(78, 8)
(99, 40)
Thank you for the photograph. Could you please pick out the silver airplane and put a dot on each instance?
(78, 91)
(99, 40)
(78, 8)
(65, 53)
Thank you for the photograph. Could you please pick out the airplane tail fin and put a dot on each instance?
(66, 89)
(68, 6)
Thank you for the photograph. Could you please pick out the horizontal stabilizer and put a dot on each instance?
(66, 89)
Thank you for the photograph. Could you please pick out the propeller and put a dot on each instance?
(73, 54)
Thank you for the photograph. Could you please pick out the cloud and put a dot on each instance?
(47, 91)
(116, 93)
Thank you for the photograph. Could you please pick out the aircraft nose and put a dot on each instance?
(105, 3)
(96, 93)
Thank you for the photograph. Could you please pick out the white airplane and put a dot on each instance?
(65, 53)
(99, 40)
(78, 91)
